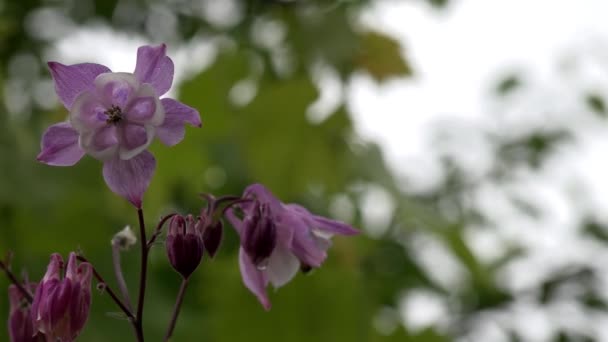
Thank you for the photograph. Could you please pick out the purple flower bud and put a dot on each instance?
(259, 235)
(61, 306)
(184, 245)
(212, 236)
(20, 327)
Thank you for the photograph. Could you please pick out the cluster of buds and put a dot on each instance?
(60, 307)
(188, 238)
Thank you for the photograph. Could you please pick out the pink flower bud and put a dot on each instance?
(61, 306)
(20, 327)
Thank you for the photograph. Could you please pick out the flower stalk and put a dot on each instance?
(176, 308)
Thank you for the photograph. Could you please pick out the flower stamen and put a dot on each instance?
(114, 114)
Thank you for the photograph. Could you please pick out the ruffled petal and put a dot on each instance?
(59, 146)
(117, 89)
(71, 80)
(177, 114)
(134, 139)
(130, 178)
(145, 107)
(102, 143)
(141, 109)
(282, 266)
(88, 113)
(254, 279)
(154, 67)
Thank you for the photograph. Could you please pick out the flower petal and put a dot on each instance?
(321, 223)
(263, 195)
(145, 107)
(141, 109)
(130, 178)
(134, 139)
(117, 89)
(71, 80)
(87, 113)
(236, 222)
(154, 67)
(304, 245)
(177, 115)
(254, 279)
(59, 146)
(282, 266)
(333, 226)
(102, 143)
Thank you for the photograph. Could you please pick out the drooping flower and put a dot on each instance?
(184, 244)
(114, 116)
(61, 306)
(295, 238)
(20, 327)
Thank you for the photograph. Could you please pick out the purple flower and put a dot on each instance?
(114, 116)
(277, 239)
(20, 327)
(61, 306)
(184, 244)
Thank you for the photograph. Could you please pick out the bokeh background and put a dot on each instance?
(465, 138)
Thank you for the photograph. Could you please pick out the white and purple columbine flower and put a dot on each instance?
(61, 306)
(278, 239)
(114, 116)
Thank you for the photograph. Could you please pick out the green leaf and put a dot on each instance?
(381, 56)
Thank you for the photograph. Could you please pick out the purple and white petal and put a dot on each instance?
(306, 248)
(71, 80)
(154, 67)
(145, 107)
(117, 89)
(177, 114)
(130, 178)
(101, 144)
(59, 146)
(88, 113)
(254, 279)
(134, 139)
(141, 109)
(282, 266)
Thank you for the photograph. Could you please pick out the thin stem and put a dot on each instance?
(142, 275)
(120, 279)
(107, 289)
(28, 296)
(159, 229)
(176, 308)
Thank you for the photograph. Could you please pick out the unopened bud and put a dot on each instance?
(184, 245)
(212, 237)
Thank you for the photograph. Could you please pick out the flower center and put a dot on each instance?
(114, 114)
